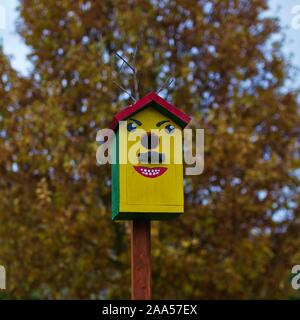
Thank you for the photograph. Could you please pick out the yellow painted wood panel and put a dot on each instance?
(164, 190)
(151, 187)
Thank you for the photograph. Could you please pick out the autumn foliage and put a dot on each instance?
(239, 236)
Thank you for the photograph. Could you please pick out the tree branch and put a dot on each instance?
(126, 62)
(166, 85)
(123, 89)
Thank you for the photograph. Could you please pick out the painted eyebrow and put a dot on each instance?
(161, 123)
(136, 121)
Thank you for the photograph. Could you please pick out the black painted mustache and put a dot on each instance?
(151, 157)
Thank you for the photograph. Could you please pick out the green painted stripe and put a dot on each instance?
(115, 180)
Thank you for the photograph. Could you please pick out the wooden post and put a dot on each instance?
(141, 260)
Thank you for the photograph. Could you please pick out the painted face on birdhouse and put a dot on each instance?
(155, 178)
(154, 154)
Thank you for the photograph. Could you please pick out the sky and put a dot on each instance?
(11, 41)
(288, 12)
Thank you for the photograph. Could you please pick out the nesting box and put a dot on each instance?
(152, 186)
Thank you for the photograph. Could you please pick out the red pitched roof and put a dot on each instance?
(171, 110)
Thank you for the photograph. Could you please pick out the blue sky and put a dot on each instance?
(12, 43)
(15, 47)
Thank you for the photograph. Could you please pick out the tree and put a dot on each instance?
(238, 237)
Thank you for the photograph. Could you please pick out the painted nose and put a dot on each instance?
(151, 157)
(149, 140)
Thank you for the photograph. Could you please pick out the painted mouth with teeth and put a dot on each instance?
(150, 172)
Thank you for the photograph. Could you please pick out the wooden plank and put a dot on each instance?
(141, 260)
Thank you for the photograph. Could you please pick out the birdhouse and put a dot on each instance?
(151, 185)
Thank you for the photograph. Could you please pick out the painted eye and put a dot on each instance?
(131, 127)
(169, 128)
